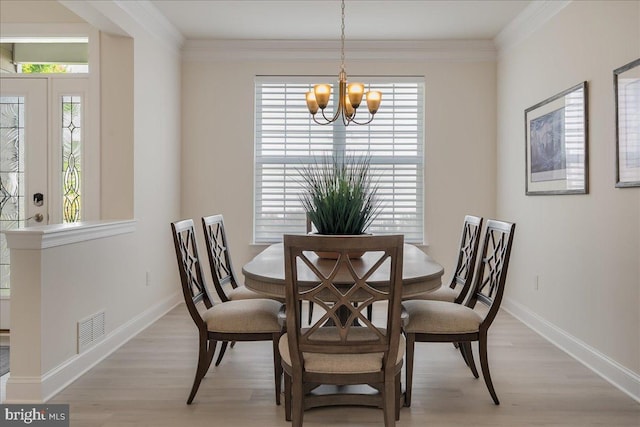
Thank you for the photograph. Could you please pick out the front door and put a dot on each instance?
(23, 166)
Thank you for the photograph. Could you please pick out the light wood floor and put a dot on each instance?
(146, 383)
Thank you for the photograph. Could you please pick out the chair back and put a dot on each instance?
(491, 276)
(467, 254)
(333, 285)
(194, 287)
(219, 255)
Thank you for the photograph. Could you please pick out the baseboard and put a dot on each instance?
(619, 376)
(37, 390)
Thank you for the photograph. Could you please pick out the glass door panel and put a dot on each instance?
(23, 161)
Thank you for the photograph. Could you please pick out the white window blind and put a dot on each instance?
(287, 138)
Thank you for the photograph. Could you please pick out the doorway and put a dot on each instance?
(42, 122)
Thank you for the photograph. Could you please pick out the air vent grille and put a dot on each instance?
(90, 330)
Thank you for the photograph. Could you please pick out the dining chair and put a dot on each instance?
(219, 255)
(462, 278)
(242, 320)
(335, 349)
(442, 321)
(224, 277)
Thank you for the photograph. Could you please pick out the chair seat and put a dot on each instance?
(443, 293)
(242, 292)
(244, 316)
(339, 363)
(440, 317)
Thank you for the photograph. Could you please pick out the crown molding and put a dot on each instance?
(313, 50)
(527, 22)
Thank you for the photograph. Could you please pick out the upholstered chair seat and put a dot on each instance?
(340, 363)
(242, 292)
(440, 317)
(231, 316)
(443, 293)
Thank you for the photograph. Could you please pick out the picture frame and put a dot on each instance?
(556, 144)
(626, 88)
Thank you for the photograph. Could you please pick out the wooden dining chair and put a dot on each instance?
(462, 277)
(224, 277)
(242, 320)
(334, 349)
(442, 321)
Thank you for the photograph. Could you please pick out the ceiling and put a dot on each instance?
(320, 19)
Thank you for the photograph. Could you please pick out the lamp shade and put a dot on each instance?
(322, 93)
(312, 105)
(373, 100)
(355, 91)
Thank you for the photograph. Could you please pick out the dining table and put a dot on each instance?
(420, 273)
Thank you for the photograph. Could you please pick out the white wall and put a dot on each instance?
(218, 141)
(155, 151)
(585, 249)
(112, 273)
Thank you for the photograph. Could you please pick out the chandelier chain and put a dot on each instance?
(342, 40)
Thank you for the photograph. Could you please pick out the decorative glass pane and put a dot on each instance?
(71, 158)
(12, 208)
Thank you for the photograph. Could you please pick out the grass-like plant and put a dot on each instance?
(340, 196)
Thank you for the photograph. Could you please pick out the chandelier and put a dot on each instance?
(349, 97)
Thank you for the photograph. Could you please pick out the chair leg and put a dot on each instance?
(467, 353)
(205, 355)
(484, 364)
(411, 343)
(233, 344)
(389, 397)
(277, 367)
(370, 312)
(287, 397)
(463, 354)
(397, 398)
(297, 402)
(223, 348)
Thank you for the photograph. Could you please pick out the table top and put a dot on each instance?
(265, 273)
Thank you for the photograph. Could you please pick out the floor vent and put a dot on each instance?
(90, 330)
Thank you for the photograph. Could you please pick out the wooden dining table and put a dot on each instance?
(420, 273)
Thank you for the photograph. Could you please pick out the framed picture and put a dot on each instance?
(626, 85)
(556, 153)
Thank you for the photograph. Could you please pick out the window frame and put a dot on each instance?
(341, 137)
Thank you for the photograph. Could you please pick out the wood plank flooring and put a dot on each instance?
(146, 383)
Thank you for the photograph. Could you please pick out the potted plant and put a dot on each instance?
(340, 195)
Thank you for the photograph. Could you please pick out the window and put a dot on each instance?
(287, 138)
(71, 158)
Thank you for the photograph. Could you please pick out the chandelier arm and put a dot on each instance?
(327, 122)
(335, 116)
(361, 123)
